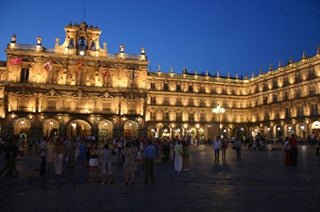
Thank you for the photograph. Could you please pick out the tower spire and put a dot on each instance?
(304, 55)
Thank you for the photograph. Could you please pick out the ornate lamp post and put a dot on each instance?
(218, 110)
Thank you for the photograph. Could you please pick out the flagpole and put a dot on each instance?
(84, 10)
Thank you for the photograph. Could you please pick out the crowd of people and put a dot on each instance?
(132, 154)
(99, 157)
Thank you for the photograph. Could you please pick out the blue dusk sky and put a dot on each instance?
(235, 36)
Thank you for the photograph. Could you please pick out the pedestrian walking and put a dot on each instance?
(93, 162)
(58, 156)
(71, 153)
(11, 152)
(216, 147)
(43, 156)
(224, 147)
(293, 142)
(178, 156)
(106, 157)
(185, 155)
(82, 153)
(287, 152)
(237, 146)
(129, 164)
(148, 157)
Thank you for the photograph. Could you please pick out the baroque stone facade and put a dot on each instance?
(80, 89)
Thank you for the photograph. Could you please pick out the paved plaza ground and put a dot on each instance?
(259, 182)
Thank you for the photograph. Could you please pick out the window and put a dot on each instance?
(179, 102)
(311, 74)
(153, 86)
(131, 109)
(298, 93)
(152, 115)
(266, 100)
(288, 114)
(202, 103)
(266, 115)
(22, 104)
(286, 81)
(300, 111)
(106, 107)
(202, 90)
(298, 77)
(285, 96)
(275, 98)
(24, 75)
(179, 117)
(314, 110)
(167, 116)
(153, 100)
(275, 83)
(165, 86)
(52, 105)
(191, 117)
(165, 101)
(312, 91)
(203, 117)
(178, 88)
(190, 88)
(191, 103)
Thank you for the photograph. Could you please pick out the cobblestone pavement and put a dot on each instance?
(260, 182)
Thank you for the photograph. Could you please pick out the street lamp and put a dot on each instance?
(218, 110)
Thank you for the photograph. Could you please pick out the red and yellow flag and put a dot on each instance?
(106, 73)
(79, 65)
(48, 66)
(16, 61)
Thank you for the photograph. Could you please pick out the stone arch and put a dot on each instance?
(51, 127)
(78, 127)
(105, 130)
(22, 126)
(130, 129)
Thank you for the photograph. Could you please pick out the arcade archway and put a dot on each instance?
(130, 129)
(51, 128)
(105, 128)
(78, 127)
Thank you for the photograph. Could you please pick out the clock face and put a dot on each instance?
(81, 52)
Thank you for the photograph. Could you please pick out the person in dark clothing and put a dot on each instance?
(148, 156)
(43, 155)
(293, 142)
(11, 151)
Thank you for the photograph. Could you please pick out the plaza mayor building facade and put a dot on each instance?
(79, 89)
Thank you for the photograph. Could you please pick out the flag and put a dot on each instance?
(106, 72)
(48, 66)
(16, 61)
(79, 65)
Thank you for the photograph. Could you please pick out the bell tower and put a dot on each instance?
(81, 40)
